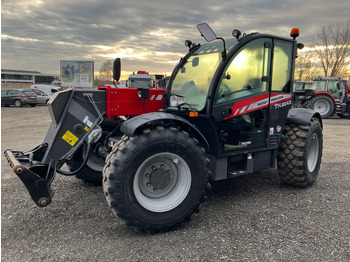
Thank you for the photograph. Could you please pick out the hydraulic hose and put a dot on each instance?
(85, 159)
(93, 137)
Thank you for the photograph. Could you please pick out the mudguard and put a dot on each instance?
(131, 126)
(302, 116)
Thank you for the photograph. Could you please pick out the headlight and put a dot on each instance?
(177, 100)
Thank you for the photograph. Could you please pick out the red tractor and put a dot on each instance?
(323, 96)
(226, 112)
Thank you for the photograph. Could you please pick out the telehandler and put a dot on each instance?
(226, 112)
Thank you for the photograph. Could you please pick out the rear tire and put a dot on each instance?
(156, 180)
(299, 157)
(322, 104)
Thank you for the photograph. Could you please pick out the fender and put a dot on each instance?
(131, 126)
(302, 116)
(325, 93)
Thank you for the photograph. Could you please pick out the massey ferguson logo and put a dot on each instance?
(258, 102)
(276, 98)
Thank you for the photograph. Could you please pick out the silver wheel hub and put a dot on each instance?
(322, 107)
(159, 178)
(162, 182)
(96, 161)
(313, 151)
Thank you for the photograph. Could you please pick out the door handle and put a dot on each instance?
(226, 112)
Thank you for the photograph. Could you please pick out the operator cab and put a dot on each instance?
(240, 89)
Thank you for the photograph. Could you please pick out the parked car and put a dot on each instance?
(18, 97)
(48, 89)
(43, 97)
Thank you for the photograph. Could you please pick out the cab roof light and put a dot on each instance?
(294, 33)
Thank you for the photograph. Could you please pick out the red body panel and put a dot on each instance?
(126, 102)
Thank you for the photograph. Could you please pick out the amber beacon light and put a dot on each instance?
(294, 33)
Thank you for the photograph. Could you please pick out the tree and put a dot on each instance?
(106, 72)
(97, 81)
(304, 66)
(332, 48)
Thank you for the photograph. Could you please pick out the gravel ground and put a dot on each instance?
(250, 218)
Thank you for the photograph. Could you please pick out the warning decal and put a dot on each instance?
(70, 138)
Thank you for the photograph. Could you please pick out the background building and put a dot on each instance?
(22, 78)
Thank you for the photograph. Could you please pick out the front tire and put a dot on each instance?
(299, 157)
(156, 180)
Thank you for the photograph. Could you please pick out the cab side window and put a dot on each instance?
(281, 69)
(321, 86)
(243, 75)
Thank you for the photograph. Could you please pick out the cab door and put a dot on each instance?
(252, 85)
(240, 105)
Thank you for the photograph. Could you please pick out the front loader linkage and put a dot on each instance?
(33, 175)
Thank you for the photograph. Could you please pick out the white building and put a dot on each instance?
(27, 77)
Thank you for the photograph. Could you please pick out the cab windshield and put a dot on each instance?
(332, 87)
(140, 83)
(193, 79)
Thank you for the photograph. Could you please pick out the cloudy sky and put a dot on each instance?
(146, 35)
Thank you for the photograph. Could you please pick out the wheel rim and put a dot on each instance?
(95, 162)
(162, 182)
(313, 151)
(322, 106)
(18, 103)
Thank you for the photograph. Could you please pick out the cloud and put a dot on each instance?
(147, 35)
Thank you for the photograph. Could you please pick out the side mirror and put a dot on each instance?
(116, 69)
(206, 32)
(209, 35)
(300, 45)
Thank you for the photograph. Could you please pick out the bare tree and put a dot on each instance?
(332, 48)
(106, 72)
(304, 66)
(97, 81)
